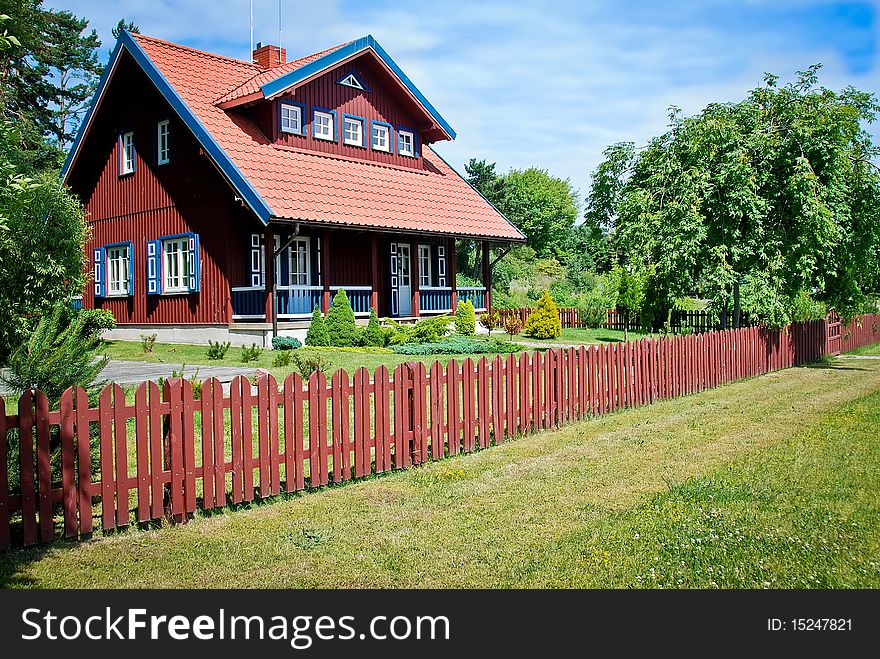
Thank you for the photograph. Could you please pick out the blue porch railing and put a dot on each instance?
(476, 294)
(298, 301)
(248, 302)
(358, 296)
(435, 299)
(76, 302)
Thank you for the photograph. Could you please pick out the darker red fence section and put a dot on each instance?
(167, 453)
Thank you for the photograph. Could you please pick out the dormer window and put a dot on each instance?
(406, 143)
(381, 137)
(292, 118)
(323, 127)
(126, 153)
(352, 130)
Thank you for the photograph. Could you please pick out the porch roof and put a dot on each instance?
(299, 185)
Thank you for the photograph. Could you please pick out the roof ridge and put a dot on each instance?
(257, 69)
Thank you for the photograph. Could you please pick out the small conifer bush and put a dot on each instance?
(465, 318)
(373, 336)
(543, 322)
(317, 334)
(341, 328)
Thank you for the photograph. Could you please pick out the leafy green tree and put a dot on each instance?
(758, 200)
(341, 328)
(317, 334)
(49, 80)
(41, 248)
(630, 295)
(542, 206)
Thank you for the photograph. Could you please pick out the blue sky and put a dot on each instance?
(546, 83)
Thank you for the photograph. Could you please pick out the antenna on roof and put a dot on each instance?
(251, 56)
(279, 23)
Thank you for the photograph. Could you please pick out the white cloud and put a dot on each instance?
(535, 83)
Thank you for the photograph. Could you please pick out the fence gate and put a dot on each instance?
(833, 333)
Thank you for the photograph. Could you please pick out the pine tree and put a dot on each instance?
(372, 335)
(341, 328)
(317, 334)
(543, 322)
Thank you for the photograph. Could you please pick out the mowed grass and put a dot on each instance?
(770, 482)
(194, 356)
(586, 336)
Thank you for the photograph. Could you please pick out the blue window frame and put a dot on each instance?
(118, 270)
(127, 154)
(353, 130)
(324, 124)
(407, 142)
(382, 136)
(292, 118)
(179, 264)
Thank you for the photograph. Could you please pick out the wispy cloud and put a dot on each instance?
(546, 83)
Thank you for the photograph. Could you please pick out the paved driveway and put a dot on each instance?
(129, 373)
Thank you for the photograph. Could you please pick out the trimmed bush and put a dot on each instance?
(341, 329)
(427, 330)
(250, 354)
(372, 335)
(285, 343)
(458, 345)
(317, 334)
(490, 320)
(543, 322)
(592, 315)
(465, 318)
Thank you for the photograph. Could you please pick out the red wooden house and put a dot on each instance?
(225, 196)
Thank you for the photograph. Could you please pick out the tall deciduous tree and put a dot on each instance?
(773, 196)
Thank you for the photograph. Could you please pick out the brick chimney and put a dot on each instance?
(268, 57)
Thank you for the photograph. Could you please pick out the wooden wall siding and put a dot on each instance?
(382, 103)
(350, 258)
(187, 194)
(295, 435)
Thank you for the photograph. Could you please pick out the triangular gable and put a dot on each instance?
(354, 81)
(129, 44)
(288, 81)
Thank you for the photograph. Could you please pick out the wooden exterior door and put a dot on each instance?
(400, 274)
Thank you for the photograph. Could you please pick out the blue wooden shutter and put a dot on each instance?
(395, 301)
(100, 273)
(130, 246)
(195, 267)
(257, 259)
(441, 265)
(154, 267)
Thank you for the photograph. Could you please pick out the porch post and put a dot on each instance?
(374, 294)
(414, 276)
(269, 277)
(451, 272)
(325, 271)
(487, 275)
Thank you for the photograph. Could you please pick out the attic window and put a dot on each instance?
(406, 143)
(292, 118)
(353, 130)
(352, 80)
(322, 125)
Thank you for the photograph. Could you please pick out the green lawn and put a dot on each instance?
(588, 336)
(196, 355)
(872, 350)
(774, 481)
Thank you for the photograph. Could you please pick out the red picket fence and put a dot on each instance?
(695, 321)
(167, 453)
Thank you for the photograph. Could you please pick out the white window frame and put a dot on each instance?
(354, 122)
(176, 264)
(378, 147)
(424, 266)
(294, 115)
(319, 134)
(411, 152)
(118, 259)
(298, 276)
(126, 157)
(163, 142)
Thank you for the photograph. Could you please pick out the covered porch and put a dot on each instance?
(400, 276)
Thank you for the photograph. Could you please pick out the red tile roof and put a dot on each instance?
(252, 86)
(352, 192)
